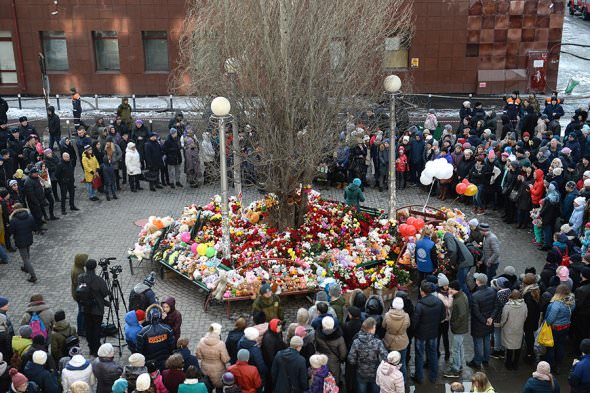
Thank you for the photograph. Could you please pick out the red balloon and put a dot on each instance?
(411, 231)
(419, 224)
(411, 220)
(465, 181)
(460, 188)
(403, 228)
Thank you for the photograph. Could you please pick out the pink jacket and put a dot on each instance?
(389, 378)
(158, 383)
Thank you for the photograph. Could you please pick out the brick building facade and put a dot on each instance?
(130, 46)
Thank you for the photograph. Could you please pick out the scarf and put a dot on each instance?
(542, 377)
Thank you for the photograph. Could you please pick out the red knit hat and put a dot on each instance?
(274, 325)
(140, 314)
(18, 379)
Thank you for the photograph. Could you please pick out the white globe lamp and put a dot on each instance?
(220, 106)
(392, 84)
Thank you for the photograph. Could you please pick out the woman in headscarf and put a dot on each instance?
(192, 162)
(550, 212)
(208, 157)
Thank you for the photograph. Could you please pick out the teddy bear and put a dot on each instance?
(220, 285)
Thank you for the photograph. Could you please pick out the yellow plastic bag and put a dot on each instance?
(545, 337)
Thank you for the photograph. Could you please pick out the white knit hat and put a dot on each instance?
(398, 303)
(137, 360)
(251, 333)
(39, 357)
(318, 360)
(143, 382)
(394, 358)
(106, 351)
(327, 323)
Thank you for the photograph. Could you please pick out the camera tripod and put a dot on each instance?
(115, 296)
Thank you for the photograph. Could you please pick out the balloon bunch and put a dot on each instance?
(201, 249)
(466, 188)
(439, 169)
(411, 227)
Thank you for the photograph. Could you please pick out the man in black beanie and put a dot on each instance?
(90, 294)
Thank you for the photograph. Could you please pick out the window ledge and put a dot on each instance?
(58, 72)
(108, 72)
(157, 72)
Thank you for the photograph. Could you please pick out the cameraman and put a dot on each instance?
(142, 296)
(91, 292)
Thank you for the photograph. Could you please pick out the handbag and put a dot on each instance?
(96, 182)
(545, 337)
(513, 196)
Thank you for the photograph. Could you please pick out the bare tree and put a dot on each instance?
(300, 64)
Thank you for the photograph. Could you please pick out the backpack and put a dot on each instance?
(38, 326)
(330, 385)
(137, 301)
(70, 342)
(84, 293)
(565, 258)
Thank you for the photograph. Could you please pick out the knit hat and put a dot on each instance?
(215, 328)
(251, 333)
(398, 303)
(25, 331)
(443, 281)
(228, 378)
(90, 264)
(19, 379)
(357, 182)
(563, 273)
(74, 351)
(173, 131)
(321, 296)
(39, 339)
(474, 222)
(327, 323)
(143, 382)
(586, 174)
(354, 311)
(500, 282)
(139, 122)
(585, 272)
(584, 346)
(510, 271)
(274, 324)
(300, 331)
(543, 371)
(296, 342)
(106, 350)
(19, 174)
(12, 183)
(302, 316)
(140, 315)
(394, 357)
(587, 183)
(557, 171)
(580, 201)
(482, 278)
(566, 150)
(243, 355)
(137, 360)
(60, 315)
(264, 288)
(484, 226)
(335, 290)
(318, 360)
(39, 357)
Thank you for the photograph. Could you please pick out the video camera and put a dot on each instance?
(104, 262)
(116, 269)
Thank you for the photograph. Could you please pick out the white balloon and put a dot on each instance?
(426, 180)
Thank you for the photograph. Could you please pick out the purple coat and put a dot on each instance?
(317, 381)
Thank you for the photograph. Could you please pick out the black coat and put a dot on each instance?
(550, 212)
(581, 315)
(271, 344)
(482, 308)
(99, 291)
(106, 371)
(21, 227)
(34, 193)
(429, 313)
(172, 151)
(289, 373)
(464, 168)
(231, 343)
(15, 146)
(64, 173)
(531, 322)
(3, 110)
(70, 149)
(53, 124)
(153, 156)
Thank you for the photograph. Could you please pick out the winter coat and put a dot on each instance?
(77, 269)
(581, 317)
(64, 172)
(464, 168)
(271, 344)
(331, 343)
(428, 315)
(514, 315)
(44, 312)
(77, 369)
(534, 385)
(482, 307)
(106, 371)
(172, 151)
(20, 345)
(173, 318)
(246, 376)
(577, 219)
(5, 380)
(288, 372)
(353, 195)
(21, 227)
(559, 313)
(131, 373)
(459, 322)
(34, 193)
(192, 386)
(579, 378)
(538, 187)
(350, 329)
(153, 155)
(366, 353)
(231, 343)
(46, 380)
(157, 383)
(502, 296)
(270, 306)
(490, 252)
(99, 291)
(389, 378)
(90, 164)
(533, 308)
(108, 174)
(172, 379)
(160, 349)
(553, 111)
(396, 324)
(256, 358)
(213, 355)
(317, 379)
(116, 154)
(550, 212)
(61, 331)
(132, 161)
(192, 161)
(567, 204)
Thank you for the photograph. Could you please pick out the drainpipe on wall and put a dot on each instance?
(22, 82)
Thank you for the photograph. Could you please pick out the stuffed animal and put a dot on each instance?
(220, 285)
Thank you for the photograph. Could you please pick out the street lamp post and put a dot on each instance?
(231, 68)
(221, 107)
(392, 84)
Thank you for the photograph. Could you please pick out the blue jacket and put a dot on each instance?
(534, 385)
(424, 249)
(189, 359)
(579, 377)
(156, 341)
(559, 313)
(132, 328)
(550, 109)
(567, 205)
(417, 150)
(256, 358)
(42, 377)
(577, 219)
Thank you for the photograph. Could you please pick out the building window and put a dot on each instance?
(55, 50)
(396, 55)
(7, 63)
(155, 50)
(106, 50)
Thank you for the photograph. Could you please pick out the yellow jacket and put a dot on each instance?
(90, 165)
